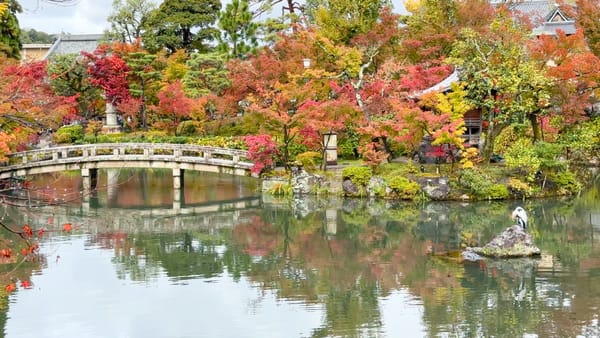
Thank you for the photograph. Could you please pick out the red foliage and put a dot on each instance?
(261, 149)
(25, 94)
(109, 72)
(173, 103)
(10, 287)
(130, 109)
(6, 253)
(373, 154)
(27, 230)
(575, 69)
(67, 227)
(419, 77)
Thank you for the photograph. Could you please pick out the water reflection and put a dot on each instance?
(364, 268)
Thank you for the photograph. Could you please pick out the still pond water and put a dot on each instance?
(231, 263)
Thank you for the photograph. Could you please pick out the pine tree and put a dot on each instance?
(238, 36)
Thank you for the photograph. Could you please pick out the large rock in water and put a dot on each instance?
(511, 243)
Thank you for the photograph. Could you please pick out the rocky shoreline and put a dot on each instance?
(430, 187)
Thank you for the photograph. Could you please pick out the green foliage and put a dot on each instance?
(481, 185)
(294, 149)
(69, 134)
(567, 182)
(358, 175)
(495, 61)
(497, 192)
(549, 155)
(238, 32)
(583, 140)
(163, 137)
(222, 142)
(206, 74)
(310, 160)
(403, 187)
(507, 137)
(342, 20)
(68, 76)
(348, 144)
(182, 24)
(33, 36)
(521, 155)
(10, 33)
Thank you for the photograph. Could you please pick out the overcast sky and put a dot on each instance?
(85, 17)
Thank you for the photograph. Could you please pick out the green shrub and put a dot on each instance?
(549, 155)
(358, 175)
(348, 144)
(497, 192)
(481, 185)
(222, 142)
(69, 134)
(567, 182)
(90, 138)
(403, 187)
(474, 180)
(582, 140)
(309, 160)
(521, 155)
(507, 137)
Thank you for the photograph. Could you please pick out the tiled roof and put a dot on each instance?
(544, 14)
(74, 44)
(550, 28)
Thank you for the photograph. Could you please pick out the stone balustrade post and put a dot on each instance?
(90, 179)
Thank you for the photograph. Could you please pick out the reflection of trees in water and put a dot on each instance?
(375, 248)
(15, 270)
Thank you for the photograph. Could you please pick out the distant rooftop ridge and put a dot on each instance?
(74, 44)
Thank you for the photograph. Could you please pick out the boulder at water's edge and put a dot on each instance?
(513, 242)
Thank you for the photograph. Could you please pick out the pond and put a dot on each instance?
(229, 262)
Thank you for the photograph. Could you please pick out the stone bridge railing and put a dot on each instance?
(144, 155)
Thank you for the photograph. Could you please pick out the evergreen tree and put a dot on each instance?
(10, 33)
(178, 24)
(33, 36)
(238, 32)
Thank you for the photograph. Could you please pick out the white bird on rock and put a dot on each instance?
(520, 216)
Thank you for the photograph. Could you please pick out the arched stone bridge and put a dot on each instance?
(89, 158)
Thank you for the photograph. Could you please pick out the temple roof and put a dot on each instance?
(74, 44)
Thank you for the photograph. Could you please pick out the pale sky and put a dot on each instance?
(84, 17)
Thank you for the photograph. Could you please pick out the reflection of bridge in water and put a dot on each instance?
(89, 158)
(219, 214)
